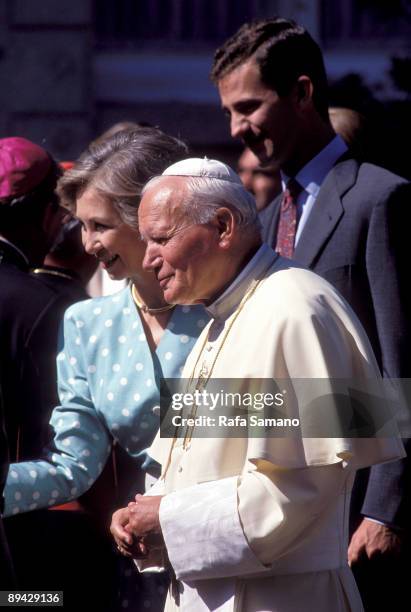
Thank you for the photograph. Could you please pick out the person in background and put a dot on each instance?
(347, 220)
(352, 126)
(67, 267)
(263, 182)
(30, 315)
(44, 545)
(115, 351)
(7, 578)
(30, 312)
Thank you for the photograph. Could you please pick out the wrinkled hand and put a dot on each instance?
(372, 540)
(144, 520)
(126, 543)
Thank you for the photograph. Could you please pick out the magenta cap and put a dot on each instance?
(23, 166)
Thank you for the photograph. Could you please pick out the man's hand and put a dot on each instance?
(372, 539)
(126, 543)
(144, 518)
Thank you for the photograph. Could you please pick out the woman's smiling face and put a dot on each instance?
(116, 245)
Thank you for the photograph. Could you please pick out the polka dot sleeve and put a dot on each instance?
(81, 442)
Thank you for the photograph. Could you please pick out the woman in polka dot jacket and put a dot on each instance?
(116, 348)
(108, 388)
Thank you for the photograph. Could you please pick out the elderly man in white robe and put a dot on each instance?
(254, 523)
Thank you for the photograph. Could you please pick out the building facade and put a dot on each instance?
(70, 69)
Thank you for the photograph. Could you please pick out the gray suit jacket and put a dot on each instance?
(356, 238)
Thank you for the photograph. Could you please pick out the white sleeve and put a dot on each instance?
(239, 526)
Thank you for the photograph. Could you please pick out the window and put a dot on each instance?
(137, 23)
(370, 21)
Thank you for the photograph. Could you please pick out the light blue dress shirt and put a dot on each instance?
(312, 176)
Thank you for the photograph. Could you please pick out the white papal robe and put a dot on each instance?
(260, 524)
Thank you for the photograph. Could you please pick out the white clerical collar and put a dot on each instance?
(312, 175)
(225, 305)
(13, 246)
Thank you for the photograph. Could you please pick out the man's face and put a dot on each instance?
(266, 123)
(182, 255)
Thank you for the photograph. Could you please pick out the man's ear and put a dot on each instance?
(226, 224)
(303, 91)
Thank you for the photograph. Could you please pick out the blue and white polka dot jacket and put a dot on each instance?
(108, 383)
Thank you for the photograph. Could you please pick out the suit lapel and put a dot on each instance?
(327, 211)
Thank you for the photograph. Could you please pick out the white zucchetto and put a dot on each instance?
(209, 168)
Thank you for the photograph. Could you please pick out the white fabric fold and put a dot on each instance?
(203, 534)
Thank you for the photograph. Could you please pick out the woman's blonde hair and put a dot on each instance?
(118, 168)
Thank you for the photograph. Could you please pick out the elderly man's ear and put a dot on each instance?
(226, 224)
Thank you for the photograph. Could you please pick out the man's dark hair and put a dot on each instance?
(283, 51)
(29, 208)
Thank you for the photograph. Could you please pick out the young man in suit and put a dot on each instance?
(344, 219)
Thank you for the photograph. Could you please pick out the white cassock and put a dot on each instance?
(259, 524)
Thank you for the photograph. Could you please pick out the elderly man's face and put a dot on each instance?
(183, 255)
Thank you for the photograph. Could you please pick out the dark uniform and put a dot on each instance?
(30, 315)
(64, 281)
(6, 571)
(44, 543)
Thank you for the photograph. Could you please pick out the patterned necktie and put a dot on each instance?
(288, 220)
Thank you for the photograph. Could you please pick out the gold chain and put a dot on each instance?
(204, 377)
(205, 374)
(140, 304)
(245, 299)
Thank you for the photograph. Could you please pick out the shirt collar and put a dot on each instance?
(312, 175)
(226, 304)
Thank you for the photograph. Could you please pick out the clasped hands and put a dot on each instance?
(136, 529)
